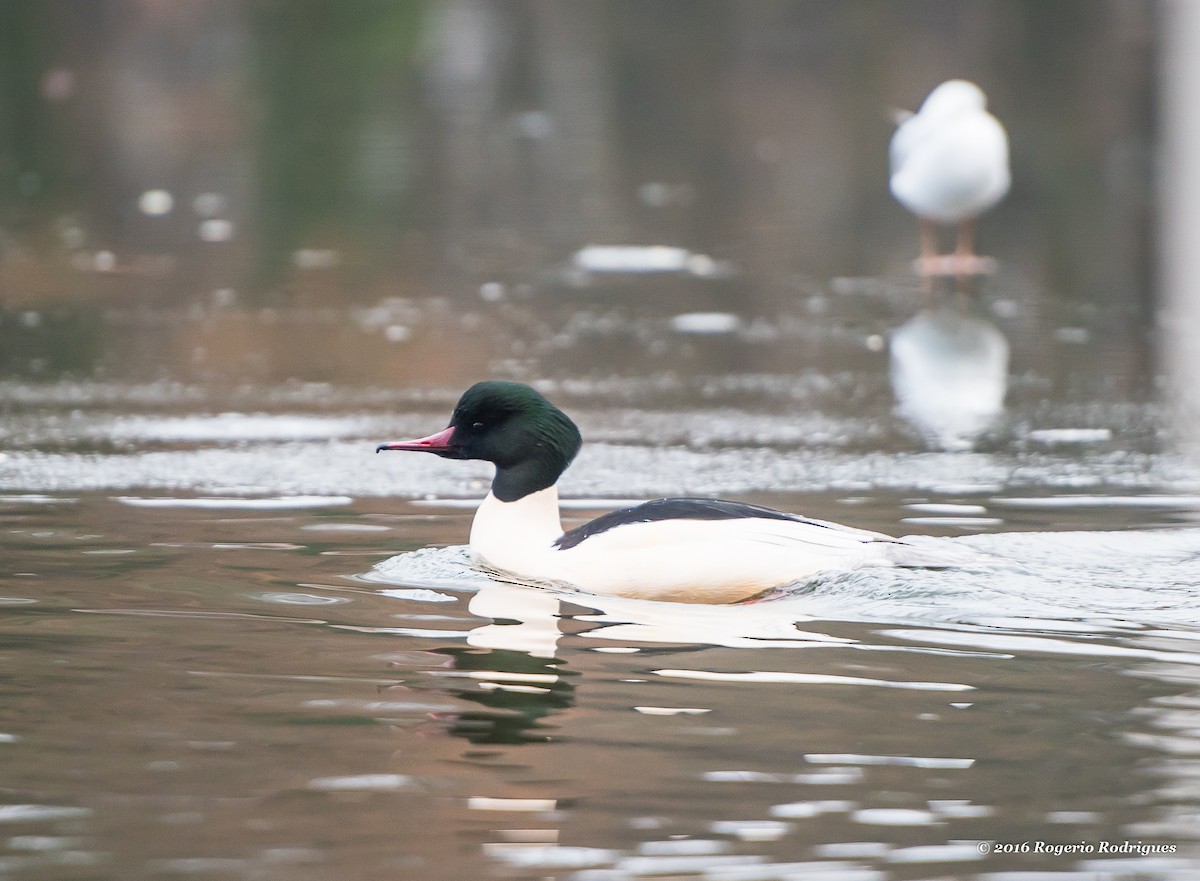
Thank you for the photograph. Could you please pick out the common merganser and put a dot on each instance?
(949, 164)
(680, 549)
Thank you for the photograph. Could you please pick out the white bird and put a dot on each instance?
(949, 164)
(686, 550)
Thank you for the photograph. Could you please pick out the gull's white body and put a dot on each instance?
(704, 561)
(949, 160)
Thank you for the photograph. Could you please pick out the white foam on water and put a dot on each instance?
(268, 504)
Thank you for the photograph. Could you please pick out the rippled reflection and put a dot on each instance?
(518, 693)
(969, 727)
(949, 373)
(861, 727)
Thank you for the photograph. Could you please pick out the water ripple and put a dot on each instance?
(807, 679)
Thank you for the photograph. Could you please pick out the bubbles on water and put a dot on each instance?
(346, 527)
(831, 776)
(549, 856)
(808, 679)
(299, 599)
(36, 499)
(898, 761)
(1055, 436)
(446, 568)
(631, 258)
(257, 546)
(960, 808)
(156, 203)
(706, 323)
(1023, 645)
(672, 711)
(40, 813)
(754, 432)
(269, 504)
(893, 817)
(233, 427)
(712, 866)
(617, 649)
(741, 777)
(397, 333)
(956, 510)
(1138, 500)
(364, 783)
(805, 809)
(1138, 576)
(215, 229)
(683, 847)
(752, 830)
(951, 852)
(492, 292)
(972, 523)
(42, 843)
(517, 805)
(202, 866)
(852, 849)
(418, 595)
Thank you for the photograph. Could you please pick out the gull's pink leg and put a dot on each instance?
(964, 257)
(929, 257)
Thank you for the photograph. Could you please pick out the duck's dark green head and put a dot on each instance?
(530, 441)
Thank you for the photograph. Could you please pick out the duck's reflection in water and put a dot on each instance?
(510, 665)
(515, 691)
(531, 619)
(509, 668)
(949, 374)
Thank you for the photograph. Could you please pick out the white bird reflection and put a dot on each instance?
(526, 619)
(949, 374)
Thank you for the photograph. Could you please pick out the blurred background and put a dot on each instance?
(405, 193)
(244, 241)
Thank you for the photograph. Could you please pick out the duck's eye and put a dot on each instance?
(478, 426)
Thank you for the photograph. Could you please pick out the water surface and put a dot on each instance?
(243, 646)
